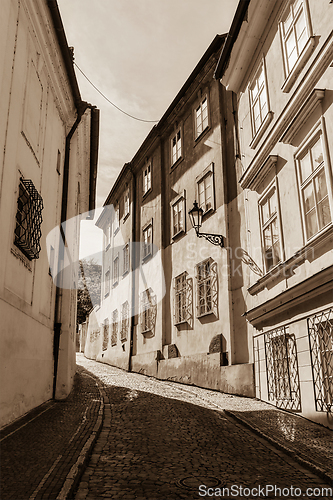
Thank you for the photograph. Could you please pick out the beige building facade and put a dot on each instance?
(278, 65)
(48, 163)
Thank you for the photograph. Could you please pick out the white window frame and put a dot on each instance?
(147, 239)
(116, 219)
(126, 204)
(147, 178)
(126, 259)
(115, 270)
(268, 224)
(180, 299)
(206, 284)
(179, 201)
(262, 90)
(290, 73)
(208, 172)
(107, 283)
(325, 166)
(201, 117)
(176, 146)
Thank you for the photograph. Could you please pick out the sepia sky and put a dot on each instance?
(138, 53)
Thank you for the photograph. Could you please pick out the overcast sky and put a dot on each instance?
(138, 53)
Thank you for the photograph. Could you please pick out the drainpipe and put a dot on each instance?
(133, 259)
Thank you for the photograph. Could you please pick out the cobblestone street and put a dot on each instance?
(162, 440)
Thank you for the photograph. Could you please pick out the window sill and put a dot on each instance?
(263, 127)
(183, 322)
(125, 273)
(106, 295)
(286, 269)
(116, 231)
(114, 285)
(198, 137)
(126, 216)
(209, 313)
(299, 65)
(178, 235)
(146, 258)
(107, 247)
(177, 162)
(146, 193)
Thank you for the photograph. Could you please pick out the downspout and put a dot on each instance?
(64, 202)
(133, 260)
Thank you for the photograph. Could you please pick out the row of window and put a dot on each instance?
(295, 32)
(282, 365)
(122, 326)
(125, 268)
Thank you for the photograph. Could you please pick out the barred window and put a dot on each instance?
(206, 287)
(124, 321)
(105, 334)
(282, 369)
(183, 298)
(114, 332)
(320, 328)
(116, 271)
(148, 311)
(28, 220)
(147, 241)
(126, 262)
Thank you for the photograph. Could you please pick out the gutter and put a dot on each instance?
(94, 140)
(133, 261)
(237, 22)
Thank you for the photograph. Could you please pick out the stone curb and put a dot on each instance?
(322, 473)
(77, 470)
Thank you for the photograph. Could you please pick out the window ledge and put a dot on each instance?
(197, 139)
(299, 65)
(183, 322)
(126, 216)
(114, 285)
(253, 177)
(106, 295)
(107, 247)
(147, 193)
(286, 269)
(146, 258)
(125, 273)
(176, 236)
(263, 127)
(116, 231)
(209, 313)
(177, 162)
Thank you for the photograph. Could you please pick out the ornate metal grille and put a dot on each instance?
(106, 328)
(148, 311)
(320, 328)
(282, 369)
(207, 291)
(124, 321)
(28, 219)
(183, 294)
(114, 332)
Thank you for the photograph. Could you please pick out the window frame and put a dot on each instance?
(273, 186)
(146, 312)
(116, 220)
(114, 331)
(179, 200)
(318, 131)
(126, 204)
(107, 283)
(198, 134)
(126, 269)
(209, 171)
(147, 168)
(115, 271)
(146, 255)
(180, 155)
(213, 294)
(178, 318)
(124, 321)
(265, 120)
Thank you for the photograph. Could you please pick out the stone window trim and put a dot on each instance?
(147, 178)
(148, 311)
(116, 219)
(201, 116)
(303, 50)
(114, 330)
(180, 200)
(28, 220)
(107, 283)
(259, 81)
(267, 223)
(207, 173)
(124, 321)
(115, 271)
(147, 241)
(317, 133)
(207, 288)
(126, 205)
(107, 237)
(176, 147)
(126, 259)
(183, 298)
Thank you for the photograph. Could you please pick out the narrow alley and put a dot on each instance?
(149, 439)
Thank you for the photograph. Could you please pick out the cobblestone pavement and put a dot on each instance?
(162, 440)
(41, 451)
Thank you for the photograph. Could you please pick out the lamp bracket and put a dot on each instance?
(215, 239)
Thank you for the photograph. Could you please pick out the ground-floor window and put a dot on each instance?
(282, 369)
(320, 328)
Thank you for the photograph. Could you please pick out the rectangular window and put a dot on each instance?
(107, 237)
(176, 147)
(126, 203)
(178, 216)
(320, 328)
(146, 179)
(201, 117)
(116, 271)
(282, 369)
(126, 259)
(270, 232)
(313, 187)
(124, 321)
(107, 283)
(116, 219)
(147, 241)
(258, 100)
(207, 294)
(28, 233)
(205, 192)
(114, 332)
(148, 306)
(181, 302)
(59, 162)
(105, 334)
(295, 33)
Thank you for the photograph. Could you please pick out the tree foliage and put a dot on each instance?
(89, 288)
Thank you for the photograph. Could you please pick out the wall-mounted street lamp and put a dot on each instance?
(196, 214)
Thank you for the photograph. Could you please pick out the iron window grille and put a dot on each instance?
(147, 241)
(126, 260)
(106, 328)
(124, 321)
(114, 332)
(320, 328)
(183, 293)
(148, 311)
(282, 369)
(207, 291)
(28, 220)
